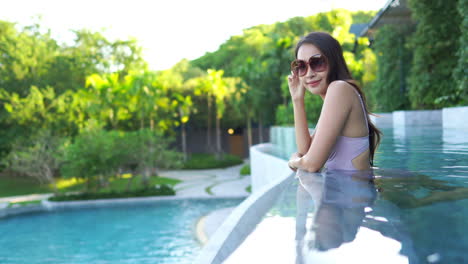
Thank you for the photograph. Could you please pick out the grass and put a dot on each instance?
(245, 170)
(119, 184)
(159, 190)
(200, 161)
(12, 186)
(125, 186)
(24, 203)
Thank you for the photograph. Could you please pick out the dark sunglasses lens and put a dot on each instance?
(318, 64)
(299, 67)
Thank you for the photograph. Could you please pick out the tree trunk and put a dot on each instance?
(184, 142)
(102, 182)
(146, 175)
(88, 184)
(208, 127)
(129, 183)
(249, 130)
(50, 178)
(260, 129)
(218, 139)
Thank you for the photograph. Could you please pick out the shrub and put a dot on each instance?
(99, 154)
(209, 161)
(93, 154)
(36, 157)
(245, 170)
(160, 190)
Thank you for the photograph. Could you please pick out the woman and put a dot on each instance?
(344, 138)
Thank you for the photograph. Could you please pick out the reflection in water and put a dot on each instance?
(339, 199)
(411, 190)
(353, 214)
(415, 212)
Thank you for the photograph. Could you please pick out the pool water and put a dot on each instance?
(413, 208)
(161, 232)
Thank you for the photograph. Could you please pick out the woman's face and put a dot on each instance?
(314, 82)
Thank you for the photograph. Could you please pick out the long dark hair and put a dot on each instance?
(338, 70)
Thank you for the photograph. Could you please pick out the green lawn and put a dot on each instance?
(120, 184)
(199, 161)
(11, 186)
(24, 203)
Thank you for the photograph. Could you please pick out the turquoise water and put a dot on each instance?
(161, 232)
(436, 152)
(413, 208)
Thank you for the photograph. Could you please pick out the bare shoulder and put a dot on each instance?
(340, 87)
(340, 92)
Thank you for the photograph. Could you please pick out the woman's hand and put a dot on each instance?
(296, 89)
(293, 161)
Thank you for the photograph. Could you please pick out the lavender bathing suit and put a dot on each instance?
(348, 148)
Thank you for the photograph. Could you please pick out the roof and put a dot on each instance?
(356, 29)
(395, 12)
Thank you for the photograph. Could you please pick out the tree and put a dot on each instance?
(185, 105)
(389, 91)
(37, 157)
(435, 46)
(221, 89)
(42, 108)
(460, 75)
(92, 156)
(107, 99)
(148, 150)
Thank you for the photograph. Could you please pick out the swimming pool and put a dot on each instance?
(412, 209)
(160, 232)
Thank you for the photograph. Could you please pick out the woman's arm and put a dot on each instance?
(297, 91)
(303, 138)
(335, 112)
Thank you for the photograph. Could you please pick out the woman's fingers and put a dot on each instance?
(292, 163)
(291, 167)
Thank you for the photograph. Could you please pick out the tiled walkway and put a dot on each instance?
(210, 183)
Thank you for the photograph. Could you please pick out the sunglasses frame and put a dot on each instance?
(308, 64)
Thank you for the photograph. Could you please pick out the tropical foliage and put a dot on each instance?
(389, 91)
(435, 45)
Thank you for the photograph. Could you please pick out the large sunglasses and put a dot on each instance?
(317, 63)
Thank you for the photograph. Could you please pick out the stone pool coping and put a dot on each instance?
(207, 225)
(240, 222)
(271, 176)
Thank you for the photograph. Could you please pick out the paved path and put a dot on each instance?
(24, 198)
(210, 183)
